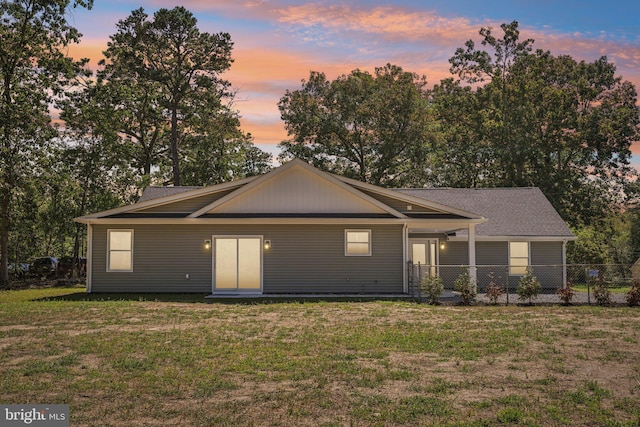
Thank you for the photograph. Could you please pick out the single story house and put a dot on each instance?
(299, 230)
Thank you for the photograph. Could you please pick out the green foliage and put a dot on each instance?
(634, 233)
(509, 415)
(610, 241)
(33, 73)
(633, 296)
(528, 286)
(538, 120)
(173, 111)
(602, 293)
(374, 128)
(433, 287)
(465, 287)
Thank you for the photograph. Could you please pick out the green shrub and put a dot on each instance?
(433, 288)
(465, 286)
(602, 294)
(528, 287)
(633, 296)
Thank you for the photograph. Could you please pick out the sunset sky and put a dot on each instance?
(278, 42)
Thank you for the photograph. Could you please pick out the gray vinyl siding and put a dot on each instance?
(454, 254)
(492, 259)
(190, 205)
(546, 253)
(302, 259)
(546, 258)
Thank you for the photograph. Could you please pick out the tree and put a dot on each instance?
(541, 120)
(171, 52)
(33, 71)
(374, 128)
(125, 114)
(474, 66)
(464, 158)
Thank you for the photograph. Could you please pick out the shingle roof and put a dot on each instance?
(510, 211)
(153, 192)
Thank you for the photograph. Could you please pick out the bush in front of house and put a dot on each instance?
(633, 296)
(465, 287)
(494, 290)
(566, 293)
(528, 287)
(433, 288)
(601, 293)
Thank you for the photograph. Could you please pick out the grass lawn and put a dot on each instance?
(184, 361)
(620, 289)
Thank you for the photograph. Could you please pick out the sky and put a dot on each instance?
(278, 42)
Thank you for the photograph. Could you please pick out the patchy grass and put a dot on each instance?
(181, 360)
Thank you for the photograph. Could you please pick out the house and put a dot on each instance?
(299, 230)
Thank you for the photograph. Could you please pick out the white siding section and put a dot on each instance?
(298, 191)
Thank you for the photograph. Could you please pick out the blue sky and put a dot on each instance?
(278, 42)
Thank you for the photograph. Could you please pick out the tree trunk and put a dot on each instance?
(174, 146)
(4, 231)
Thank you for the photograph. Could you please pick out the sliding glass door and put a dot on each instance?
(237, 263)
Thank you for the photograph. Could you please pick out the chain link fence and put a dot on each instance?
(583, 278)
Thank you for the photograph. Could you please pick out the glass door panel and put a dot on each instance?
(249, 267)
(226, 263)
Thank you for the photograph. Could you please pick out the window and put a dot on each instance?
(120, 250)
(357, 242)
(518, 257)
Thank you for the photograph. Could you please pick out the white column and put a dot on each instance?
(473, 274)
(564, 263)
(405, 258)
(89, 271)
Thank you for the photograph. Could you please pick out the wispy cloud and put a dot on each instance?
(278, 42)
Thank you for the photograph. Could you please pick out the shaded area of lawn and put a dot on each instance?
(144, 360)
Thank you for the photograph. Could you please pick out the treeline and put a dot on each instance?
(159, 112)
(509, 116)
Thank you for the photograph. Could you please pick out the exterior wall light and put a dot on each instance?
(442, 245)
(207, 244)
(267, 245)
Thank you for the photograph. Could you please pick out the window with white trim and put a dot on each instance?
(518, 257)
(357, 242)
(120, 250)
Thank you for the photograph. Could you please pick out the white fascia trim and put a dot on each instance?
(196, 221)
(452, 224)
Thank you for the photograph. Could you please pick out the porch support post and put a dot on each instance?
(405, 258)
(473, 274)
(564, 263)
(89, 272)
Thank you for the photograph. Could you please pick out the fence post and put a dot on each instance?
(587, 279)
(507, 282)
(419, 284)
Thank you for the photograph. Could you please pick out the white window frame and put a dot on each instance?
(517, 267)
(346, 241)
(109, 250)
